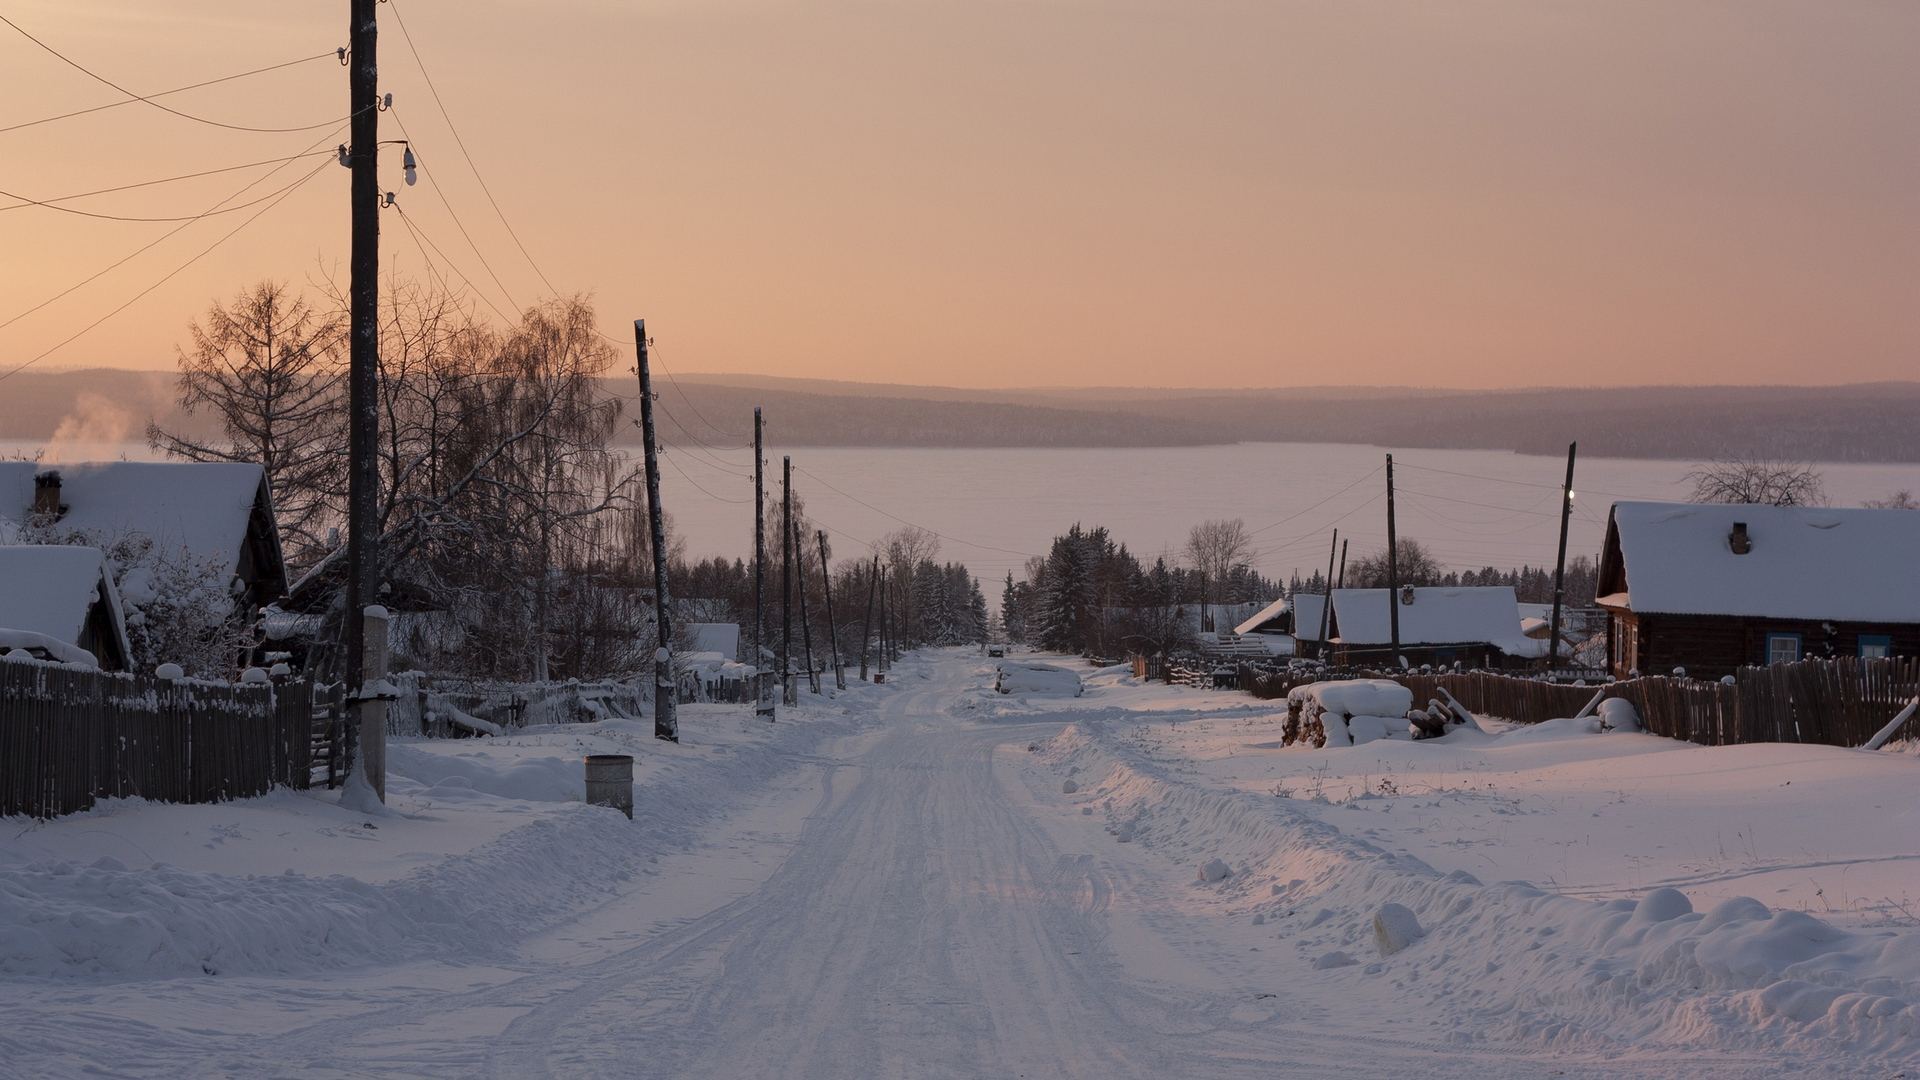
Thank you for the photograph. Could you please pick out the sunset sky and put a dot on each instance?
(1037, 192)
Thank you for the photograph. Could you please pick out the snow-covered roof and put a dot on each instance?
(1804, 563)
(49, 589)
(199, 507)
(1266, 614)
(1306, 615)
(1437, 616)
(715, 637)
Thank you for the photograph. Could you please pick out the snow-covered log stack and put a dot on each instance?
(1348, 713)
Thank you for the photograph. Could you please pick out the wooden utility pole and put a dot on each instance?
(1343, 566)
(762, 693)
(1326, 606)
(666, 721)
(1560, 568)
(787, 694)
(833, 633)
(806, 618)
(866, 628)
(363, 358)
(1393, 572)
(886, 646)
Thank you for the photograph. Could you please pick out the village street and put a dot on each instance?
(918, 901)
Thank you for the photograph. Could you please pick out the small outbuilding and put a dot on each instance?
(58, 602)
(1711, 587)
(1477, 626)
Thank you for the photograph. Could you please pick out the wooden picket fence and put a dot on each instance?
(1841, 701)
(69, 736)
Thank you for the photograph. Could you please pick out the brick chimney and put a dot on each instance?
(46, 495)
(1738, 539)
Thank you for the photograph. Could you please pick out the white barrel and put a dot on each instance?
(610, 782)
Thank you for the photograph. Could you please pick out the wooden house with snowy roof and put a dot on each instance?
(1474, 626)
(215, 517)
(58, 602)
(1711, 588)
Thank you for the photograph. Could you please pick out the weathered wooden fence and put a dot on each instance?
(69, 736)
(1843, 701)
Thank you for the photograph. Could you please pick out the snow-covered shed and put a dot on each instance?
(216, 515)
(1714, 587)
(1478, 626)
(58, 603)
(1272, 619)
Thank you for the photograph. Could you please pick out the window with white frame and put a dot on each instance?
(1783, 648)
(1876, 645)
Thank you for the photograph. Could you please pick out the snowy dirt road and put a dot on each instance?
(912, 907)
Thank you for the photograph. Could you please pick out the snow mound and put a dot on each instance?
(1356, 697)
(1618, 714)
(1519, 962)
(1014, 677)
(1395, 928)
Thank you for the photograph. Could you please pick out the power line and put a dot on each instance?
(462, 144)
(168, 276)
(1302, 513)
(1283, 545)
(25, 202)
(164, 93)
(149, 98)
(1521, 483)
(50, 205)
(421, 234)
(1487, 506)
(457, 223)
(169, 234)
(689, 479)
(904, 521)
(487, 190)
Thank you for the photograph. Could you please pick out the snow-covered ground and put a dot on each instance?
(1641, 894)
(894, 884)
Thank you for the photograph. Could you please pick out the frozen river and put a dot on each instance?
(1472, 508)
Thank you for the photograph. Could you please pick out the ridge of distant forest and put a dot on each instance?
(1868, 422)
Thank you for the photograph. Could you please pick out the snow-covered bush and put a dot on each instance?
(179, 609)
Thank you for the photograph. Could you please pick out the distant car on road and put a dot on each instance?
(995, 648)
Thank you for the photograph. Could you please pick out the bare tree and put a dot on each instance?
(1899, 500)
(905, 550)
(1757, 481)
(1215, 548)
(268, 368)
(1414, 564)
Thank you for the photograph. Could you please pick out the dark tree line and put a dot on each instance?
(1091, 595)
(1417, 566)
(926, 602)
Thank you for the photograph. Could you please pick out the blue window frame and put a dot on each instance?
(1783, 647)
(1876, 644)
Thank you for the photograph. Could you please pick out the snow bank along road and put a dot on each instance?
(922, 897)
